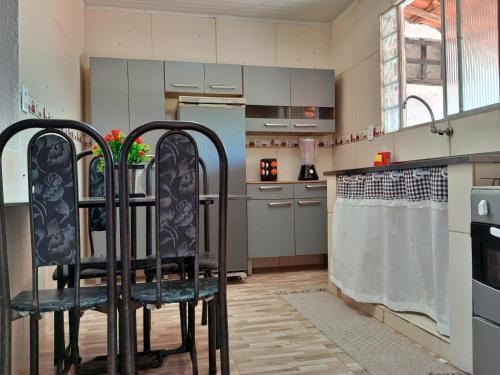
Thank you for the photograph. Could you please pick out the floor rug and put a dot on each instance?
(375, 346)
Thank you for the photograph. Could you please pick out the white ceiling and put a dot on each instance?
(297, 10)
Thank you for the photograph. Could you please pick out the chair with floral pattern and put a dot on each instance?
(177, 236)
(55, 239)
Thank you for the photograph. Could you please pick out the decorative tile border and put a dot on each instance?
(283, 142)
(357, 136)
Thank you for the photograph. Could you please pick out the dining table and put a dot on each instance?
(150, 358)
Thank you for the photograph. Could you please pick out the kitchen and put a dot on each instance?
(269, 79)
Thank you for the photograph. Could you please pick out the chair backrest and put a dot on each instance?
(177, 196)
(53, 200)
(53, 206)
(206, 212)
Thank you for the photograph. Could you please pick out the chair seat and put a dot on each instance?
(61, 299)
(208, 262)
(174, 291)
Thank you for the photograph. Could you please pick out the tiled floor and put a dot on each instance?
(267, 336)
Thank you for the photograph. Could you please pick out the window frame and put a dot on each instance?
(444, 67)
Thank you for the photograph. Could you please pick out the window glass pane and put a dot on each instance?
(391, 95)
(390, 47)
(391, 71)
(389, 22)
(391, 120)
(423, 66)
(479, 26)
(452, 86)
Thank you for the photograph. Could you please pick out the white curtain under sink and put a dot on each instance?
(390, 240)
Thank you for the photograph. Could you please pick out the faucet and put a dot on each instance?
(448, 131)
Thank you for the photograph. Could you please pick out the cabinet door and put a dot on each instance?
(109, 94)
(270, 228)
(184, 77)
(311, 220)
(312, 87)
(223, 79)
(265, 85)
(146, 95)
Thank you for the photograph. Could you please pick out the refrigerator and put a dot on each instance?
(225, 116)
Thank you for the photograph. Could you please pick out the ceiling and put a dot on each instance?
(296, 10)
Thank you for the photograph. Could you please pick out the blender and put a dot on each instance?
(308, 151)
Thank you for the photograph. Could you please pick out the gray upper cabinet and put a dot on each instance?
(223, 79)
(109, 94)
(265, 85)
(184, 77)
(146, 94)
(312, 87)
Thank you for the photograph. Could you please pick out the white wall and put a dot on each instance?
(164, 36)
(50, 46)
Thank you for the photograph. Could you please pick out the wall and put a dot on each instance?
(355, 56)
(50, 48)
(163, 36)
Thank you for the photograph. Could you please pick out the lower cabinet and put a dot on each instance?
(311, 220)
(280, 227)
(270, 228)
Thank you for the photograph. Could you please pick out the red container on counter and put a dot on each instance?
(382, 158)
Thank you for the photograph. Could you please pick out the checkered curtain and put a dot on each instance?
(419, 184)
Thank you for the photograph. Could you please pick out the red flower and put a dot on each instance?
(108, 137)
(141, 153)
(116, 132)
(139, 140)
(116, 137)
(95, 147)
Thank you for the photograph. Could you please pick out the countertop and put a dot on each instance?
(287, 182)
(434, 162)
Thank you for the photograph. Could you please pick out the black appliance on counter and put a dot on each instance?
(485, 233)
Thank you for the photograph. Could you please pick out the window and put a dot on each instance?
(411, 62)
(472, 65)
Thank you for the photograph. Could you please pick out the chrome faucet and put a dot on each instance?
(448, 131)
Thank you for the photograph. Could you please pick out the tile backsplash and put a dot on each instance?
(289, 160)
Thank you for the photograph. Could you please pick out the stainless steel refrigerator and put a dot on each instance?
(225, 116)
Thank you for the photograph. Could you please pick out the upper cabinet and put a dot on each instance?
(126, 93)
(265, 85)
(109, 94)
(199, 78)
(312, 87)
(184, 77)
(223, 79)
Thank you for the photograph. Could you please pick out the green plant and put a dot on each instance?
(137, 154)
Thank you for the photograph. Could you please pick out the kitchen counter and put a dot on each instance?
(447, 160)
(287, 182)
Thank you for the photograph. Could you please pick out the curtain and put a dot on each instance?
(390, 240)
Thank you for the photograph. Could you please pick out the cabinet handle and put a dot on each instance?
(223, 87)
(316, 187)
(305, 125)
(275, 125)
(309, 203)
(279, 204)
(185, 85)
(271, 187)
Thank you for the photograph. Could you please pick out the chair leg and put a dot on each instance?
(74, 323)
(59, 344)
(34, 342)
(183, 320)
(224, 335)
(212, 339)
(192, 338)
(204, 314)
(146, 323)
(217, 323)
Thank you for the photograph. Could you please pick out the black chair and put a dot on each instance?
(55, 233)
(207, 261)
(177, 206)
